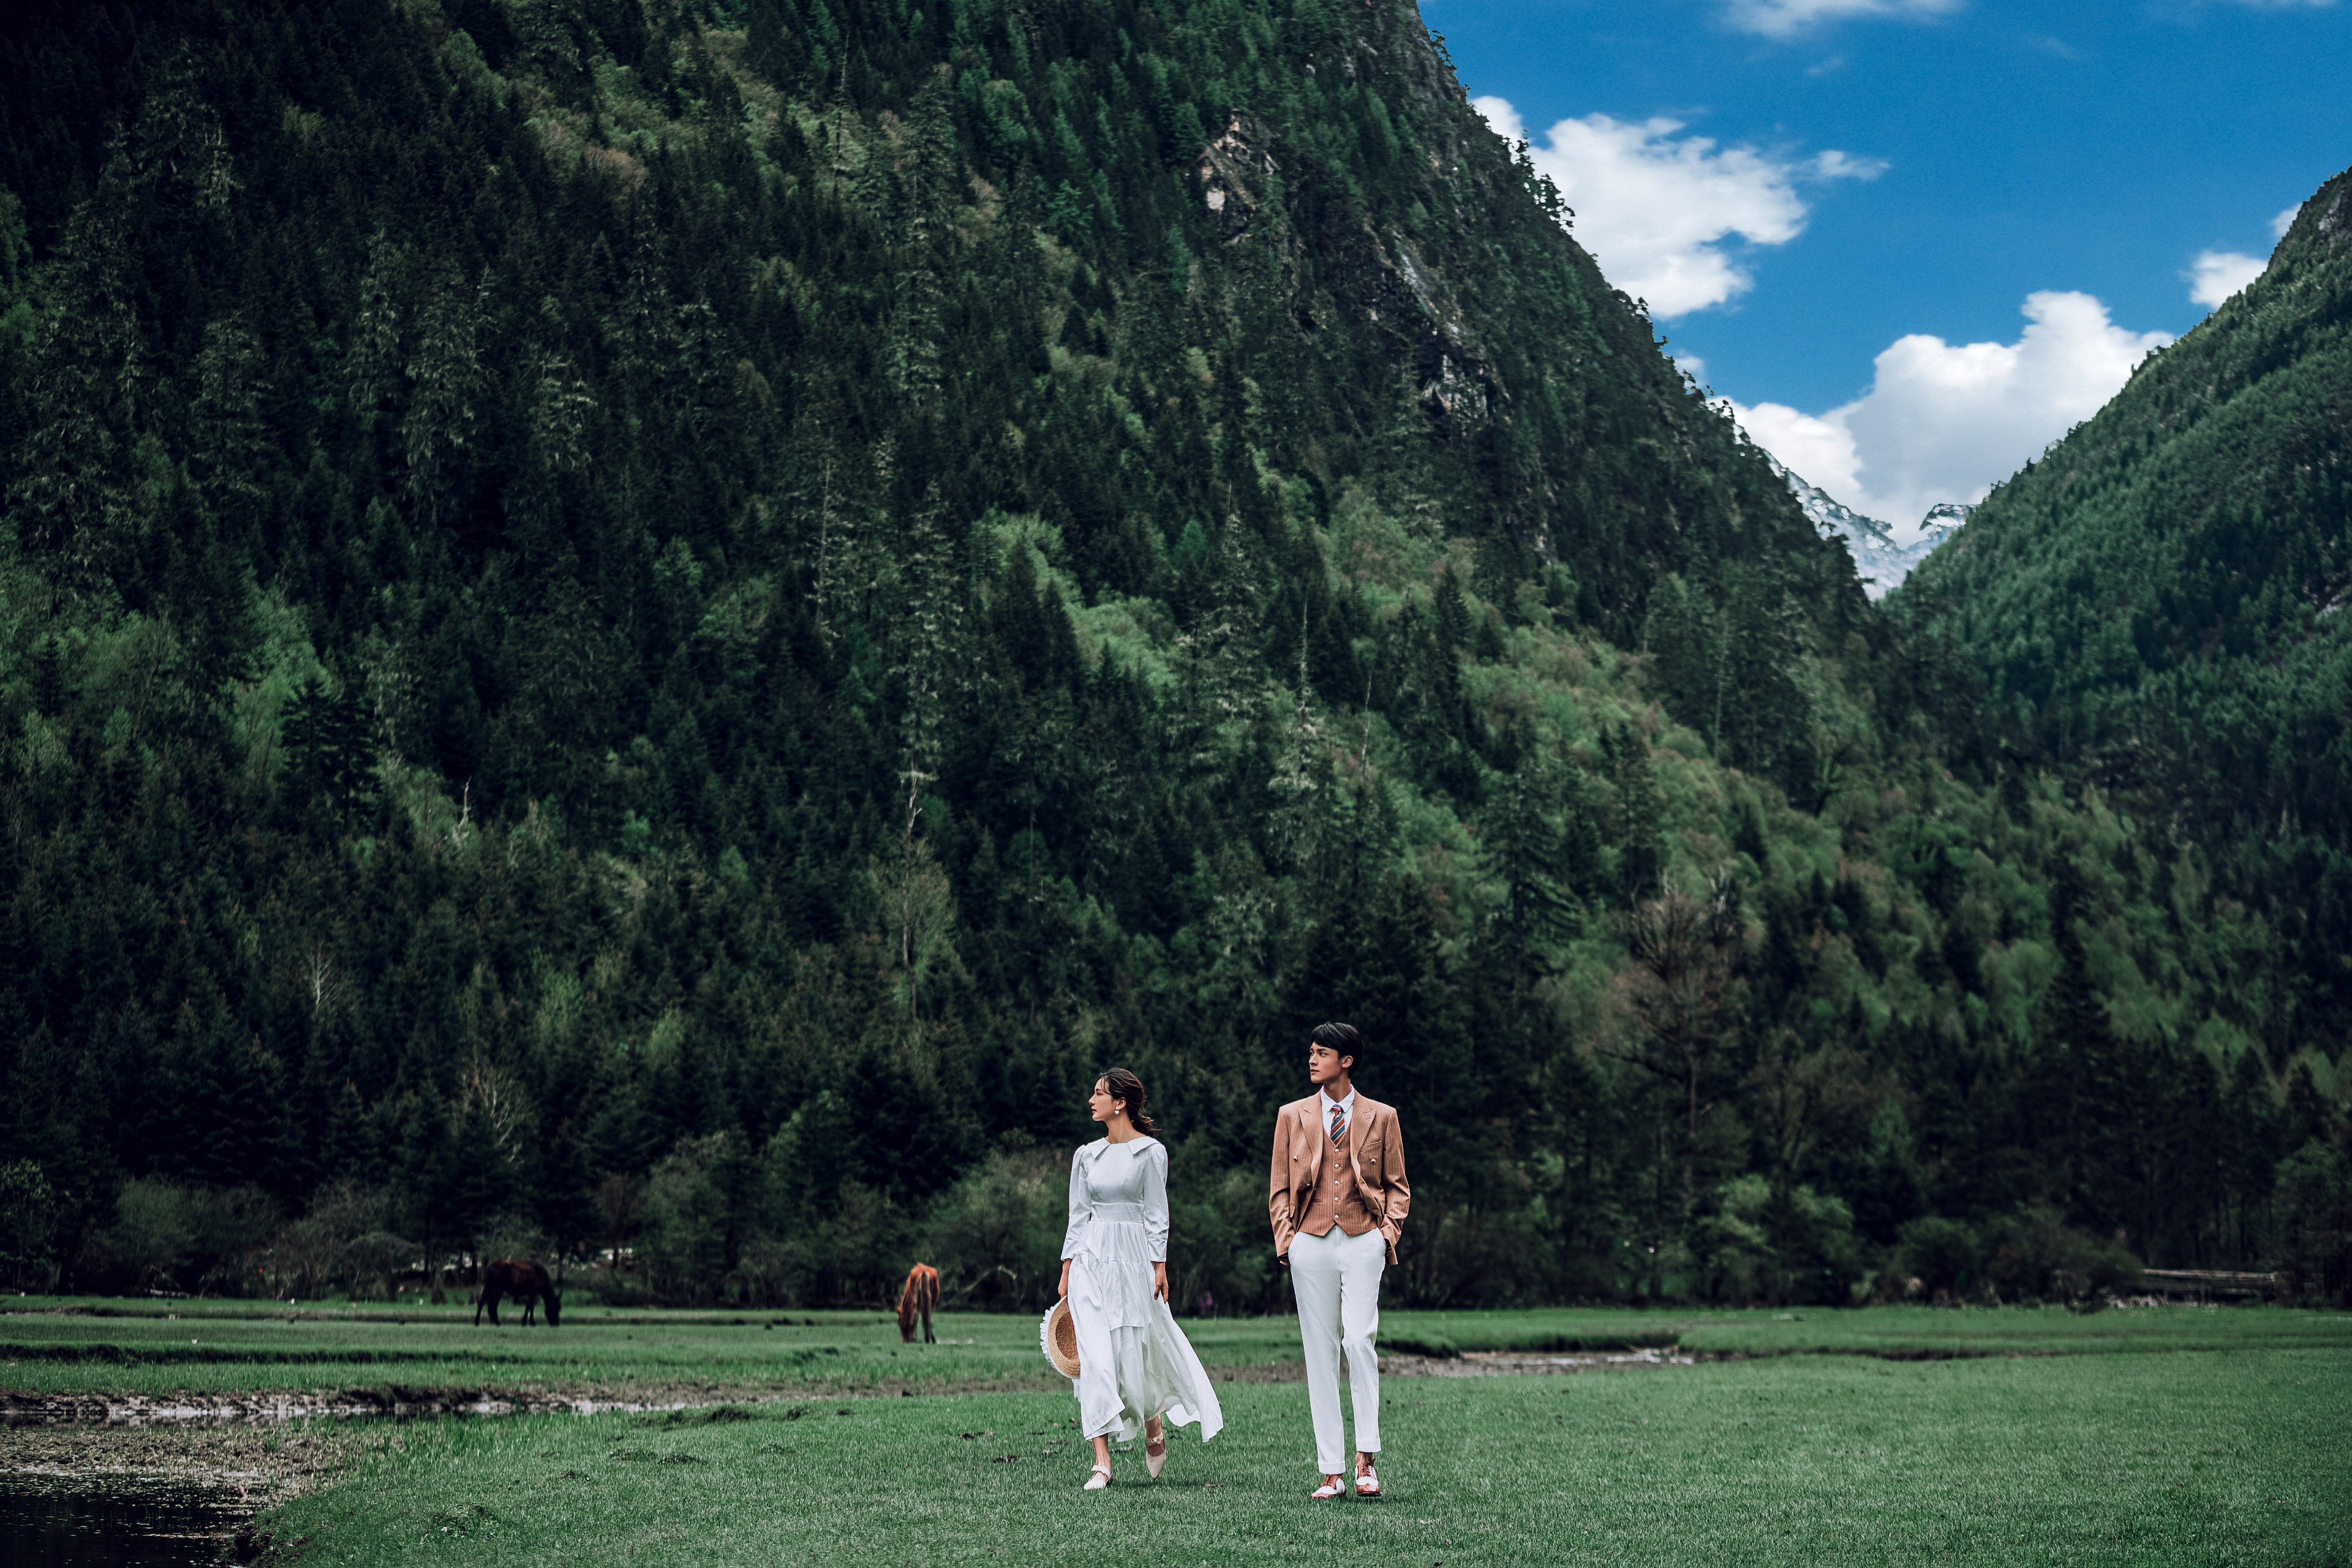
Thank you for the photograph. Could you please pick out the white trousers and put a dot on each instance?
(1336, 1277)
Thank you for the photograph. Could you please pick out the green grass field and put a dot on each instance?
(2216, 1458)
(91, 1348)
(2000, 1436)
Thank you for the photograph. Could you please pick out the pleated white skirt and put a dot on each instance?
(1134, 1363)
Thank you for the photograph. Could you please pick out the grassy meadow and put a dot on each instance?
(92, 1347)
(2005, 1436)
(2220, 1457)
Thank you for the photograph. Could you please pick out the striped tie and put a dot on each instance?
(1338, 1125)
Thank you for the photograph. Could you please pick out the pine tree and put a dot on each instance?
(1678, 999)
(1304, 773)
(1641, 859)
(834, 556)
(927, 175)
(228, 443)
(561, 406)
(708, 776)
(1522, 851)
(90, 375)
(374, 362)
(438, 430)
(931, 645)
(330, 745)
(2107, 1127)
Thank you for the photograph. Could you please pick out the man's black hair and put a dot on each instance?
(1343, 1040)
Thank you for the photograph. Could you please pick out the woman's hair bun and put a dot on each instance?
(1128, 1088)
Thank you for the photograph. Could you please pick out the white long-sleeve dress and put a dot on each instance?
(1134, 1363)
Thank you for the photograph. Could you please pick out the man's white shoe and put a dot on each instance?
(1367, 1483)
(1329, 1489)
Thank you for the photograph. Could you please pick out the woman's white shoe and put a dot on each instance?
(1155, 1456)
(1099, 1480)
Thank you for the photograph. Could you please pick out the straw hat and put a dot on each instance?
(1059, 1336)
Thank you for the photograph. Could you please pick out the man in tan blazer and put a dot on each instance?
(1338, 1198)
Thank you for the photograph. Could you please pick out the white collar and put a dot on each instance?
(1345, 1107)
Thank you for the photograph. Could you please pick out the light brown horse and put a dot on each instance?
(920, 1297)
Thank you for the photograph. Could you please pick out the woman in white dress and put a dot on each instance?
(1135, 1366)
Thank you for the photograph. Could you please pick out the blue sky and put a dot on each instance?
(1808, 185)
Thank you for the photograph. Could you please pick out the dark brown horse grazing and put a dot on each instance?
(920, 1295)
(525, 1282)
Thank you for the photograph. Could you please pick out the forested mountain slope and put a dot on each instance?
(2158, 605)
(663, 626)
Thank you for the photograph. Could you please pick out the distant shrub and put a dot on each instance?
(373, 1262)
(996, 1235)
(1456, 1254)
(1734, 1257)
(2313, 1199)
(171, 1236)
(2033, 1254)
(1942, 1254)
(31, 1212)
(311, 1256)
(683, 1246)
(1220, 1257)
(1793, 1245)
(609, 1286)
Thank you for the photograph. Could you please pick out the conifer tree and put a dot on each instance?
(926, 176)
(931, 645)
(836, 553)
(229, 441)
(1678, 998)
(374, 362)
(1301, 784)
(1522, 851)
(437, 429)
(90, 376)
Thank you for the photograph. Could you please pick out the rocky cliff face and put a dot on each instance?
(1437, 282)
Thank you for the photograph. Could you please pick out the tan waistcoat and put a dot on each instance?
(1336, 1200)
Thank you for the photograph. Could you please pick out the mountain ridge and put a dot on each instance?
(661, 627)
(2152, 602)
(1880, 562)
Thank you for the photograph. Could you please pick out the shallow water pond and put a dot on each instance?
(113, 1521)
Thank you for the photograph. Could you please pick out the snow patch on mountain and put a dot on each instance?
(1880, 559)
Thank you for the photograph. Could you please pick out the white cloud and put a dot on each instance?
(1820, 449)
(1655, 210)
(1785, 18)
(2219, 274)
(1942, 421)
